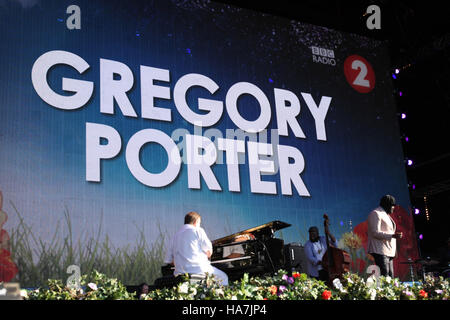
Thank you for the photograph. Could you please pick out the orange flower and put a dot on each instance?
(326, 295)
(423, 294)
(273, 289)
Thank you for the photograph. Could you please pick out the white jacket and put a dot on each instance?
(381, 228)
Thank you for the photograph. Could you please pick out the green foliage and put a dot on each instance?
(94, 286)
(437, 288)
(353, 287)
(301, 287)
(282, 286)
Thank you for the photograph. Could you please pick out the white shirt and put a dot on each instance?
(188, 251)
(319, 251)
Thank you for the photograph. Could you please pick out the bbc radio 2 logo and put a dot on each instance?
(322, 55)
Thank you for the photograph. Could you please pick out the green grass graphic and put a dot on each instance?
(39, 260)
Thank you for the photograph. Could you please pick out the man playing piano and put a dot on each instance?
(191, 249)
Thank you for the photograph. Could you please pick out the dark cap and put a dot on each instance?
(386, 202)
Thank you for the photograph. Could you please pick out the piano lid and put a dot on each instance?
(265, 229)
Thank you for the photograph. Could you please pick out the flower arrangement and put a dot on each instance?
(281, 286)
(94, 286)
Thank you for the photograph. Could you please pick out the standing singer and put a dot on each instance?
(382, 235)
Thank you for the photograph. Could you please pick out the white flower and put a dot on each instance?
(219, 291)
(337, 284)
(93, 286)
(373, 294)
(388, 279)
(439, 291)
(3, 292)
(233, 298)
(183, 288)
(24, 293)
(372, 281)
(194, 291)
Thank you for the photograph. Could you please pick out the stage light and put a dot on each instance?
(416, 211)
(393, 76)
(400, 93)
(406, 139)
(421, 236)
(427, 212)
(414, 187)
(403, 115)
(397, 71)
(410, 162)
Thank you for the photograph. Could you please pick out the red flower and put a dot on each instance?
(423, 294)
(295, 275)
(326, 295)
(273, 289)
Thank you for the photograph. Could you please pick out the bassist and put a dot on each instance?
(315, 249)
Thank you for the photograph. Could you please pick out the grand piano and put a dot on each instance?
(259, 251)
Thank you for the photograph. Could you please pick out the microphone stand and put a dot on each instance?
(420, 254)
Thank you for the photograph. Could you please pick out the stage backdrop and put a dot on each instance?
(119, 117)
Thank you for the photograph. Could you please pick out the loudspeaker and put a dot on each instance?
(294, 256)
(275, 247)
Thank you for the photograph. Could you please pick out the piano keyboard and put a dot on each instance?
(231, 259)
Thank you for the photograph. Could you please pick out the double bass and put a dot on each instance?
(335, 261)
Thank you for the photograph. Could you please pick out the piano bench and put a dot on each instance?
(196, 278)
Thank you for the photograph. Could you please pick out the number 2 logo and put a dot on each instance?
(359, 74)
